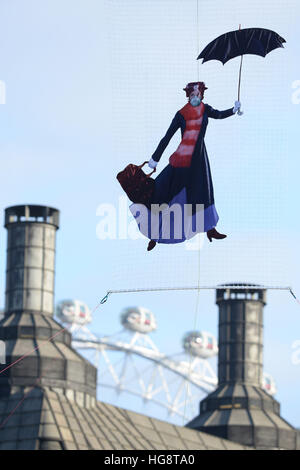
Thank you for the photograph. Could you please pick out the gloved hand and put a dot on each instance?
(237, 105)
(152, 163)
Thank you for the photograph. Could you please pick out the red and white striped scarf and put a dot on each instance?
(193, 116)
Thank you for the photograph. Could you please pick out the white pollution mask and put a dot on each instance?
(195, 101)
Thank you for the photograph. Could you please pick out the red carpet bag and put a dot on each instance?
(138, 186)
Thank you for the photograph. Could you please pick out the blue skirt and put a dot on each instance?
(182, 204)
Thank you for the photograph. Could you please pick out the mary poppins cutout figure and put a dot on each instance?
(183, 199)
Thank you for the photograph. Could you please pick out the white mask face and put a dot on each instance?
(195, 96)
(195, 100)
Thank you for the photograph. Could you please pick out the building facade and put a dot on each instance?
(48, 391)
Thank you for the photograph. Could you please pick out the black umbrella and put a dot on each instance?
(257, 41)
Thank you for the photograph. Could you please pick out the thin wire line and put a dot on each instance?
(179, 288)
(194, 327)
(39, 378)
(29, 352)
(197, 34)
(294, 296)
(19, 403)
(41, 345)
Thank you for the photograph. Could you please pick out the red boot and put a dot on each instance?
(212, 233)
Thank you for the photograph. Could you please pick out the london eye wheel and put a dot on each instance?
(133, 372)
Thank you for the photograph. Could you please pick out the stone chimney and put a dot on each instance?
(239, 409)
(30, 271)
(28, 318)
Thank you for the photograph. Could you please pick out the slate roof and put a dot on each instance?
(48, 419)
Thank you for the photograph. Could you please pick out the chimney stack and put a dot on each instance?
(239, 409)
(30, 263)
(28, 327)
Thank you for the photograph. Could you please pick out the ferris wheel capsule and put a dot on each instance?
(73, 312)
(268, 384)
(200, 344)
(138, 319)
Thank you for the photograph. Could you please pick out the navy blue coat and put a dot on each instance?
(196, 178)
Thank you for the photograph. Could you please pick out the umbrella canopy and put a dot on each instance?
(257, 41)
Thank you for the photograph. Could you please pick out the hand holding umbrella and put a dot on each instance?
(257, 41)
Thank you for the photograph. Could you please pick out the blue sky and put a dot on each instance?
(93, 85)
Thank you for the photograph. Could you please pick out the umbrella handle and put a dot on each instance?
(240, 73)
(239, 87)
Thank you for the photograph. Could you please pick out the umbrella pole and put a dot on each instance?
(239, 87)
